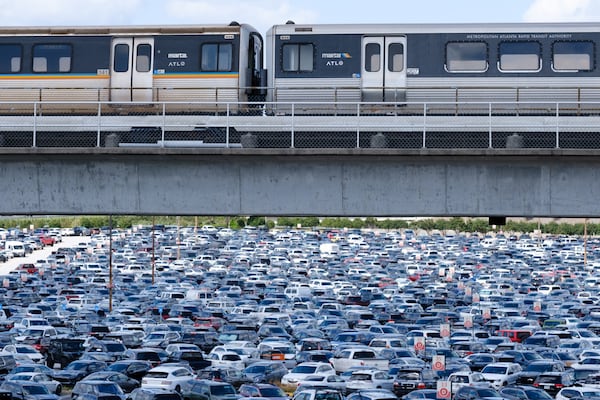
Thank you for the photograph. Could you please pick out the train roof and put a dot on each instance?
(482, 28)
(231, 28)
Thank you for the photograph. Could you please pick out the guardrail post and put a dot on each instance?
(490, 144)
(34, 128)
(99, 124)
(557, 138)
(227, 125)
(424, 125)
(358, 125)
(292, 127)
(164, 122)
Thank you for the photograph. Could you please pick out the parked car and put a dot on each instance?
(501, 373)
(77, 370)
(28, 391)
(168, 377)
(264, 390)
(154, 394)
(207, 390)
(126, 383)
(266, 371)
(53, 385)
(369, 379)
(86, 388)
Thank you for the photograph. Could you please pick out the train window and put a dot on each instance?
(298, 57)
(572, 56)
(372, 57)
(520, 57)
(217, 57)
(143, 60)
(466, 57)
(10, 58)
(121, 58)
(396, 57)
(52, 58)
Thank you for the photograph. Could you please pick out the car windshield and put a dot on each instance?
(272, 392)
(304, 369)
(222, 390)
(72, 346)
(494, 370)
(157, 374)
(35, 389)
(109, 388)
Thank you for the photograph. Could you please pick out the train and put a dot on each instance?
(294, 63)
(205, 74)
(138, 64)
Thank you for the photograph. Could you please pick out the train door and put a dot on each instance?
(383, 68)
(132, 69)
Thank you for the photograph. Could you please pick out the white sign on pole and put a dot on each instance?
(438, 363)
(443, 390)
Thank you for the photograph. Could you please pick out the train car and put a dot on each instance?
(426, 63)
(220, 63)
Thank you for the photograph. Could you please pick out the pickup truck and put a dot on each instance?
(358, 357)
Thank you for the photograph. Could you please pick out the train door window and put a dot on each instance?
(396, 57)
(121, 58)
(10, 58)
(572, 56)
(52, 58)
(143, 58)
(372, 57)
(520, 57)
(216, 57)
(298, 57)
(466, 57)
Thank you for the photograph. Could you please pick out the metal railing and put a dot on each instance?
(433, 125)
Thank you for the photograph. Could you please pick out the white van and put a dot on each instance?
(15, 247)
(298, 291)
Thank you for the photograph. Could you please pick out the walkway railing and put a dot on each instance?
(551, 125)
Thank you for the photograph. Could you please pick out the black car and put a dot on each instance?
(126, 383)
(553, 382)
(154, 394)
(524, 393)
(230, 375)
(194, 358)
(63, 351)
(475, 393)
(266, 371)
(533, 370)
(135, 369)
(410, 379)
(77, 370)
(207, 390)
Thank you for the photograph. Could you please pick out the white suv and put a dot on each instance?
(501, 374)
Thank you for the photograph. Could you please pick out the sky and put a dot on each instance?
(264, 13)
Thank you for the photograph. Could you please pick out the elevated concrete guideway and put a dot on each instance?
(273, 182)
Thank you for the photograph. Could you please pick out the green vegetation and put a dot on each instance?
(238, 222)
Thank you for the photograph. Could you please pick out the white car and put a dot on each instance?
(53, 386)
(167, 377)
(24, 351)
(578, 392)
(174, 347)
(501, 374)
(369, 379)
(467, 378)
(227, 359)
(303, 370)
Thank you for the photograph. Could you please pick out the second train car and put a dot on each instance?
(455, 63)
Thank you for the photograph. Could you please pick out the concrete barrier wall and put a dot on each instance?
(374, 182)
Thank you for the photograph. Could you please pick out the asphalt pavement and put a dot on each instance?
(32, 258)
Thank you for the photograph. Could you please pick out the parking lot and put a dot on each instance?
(203, 313)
